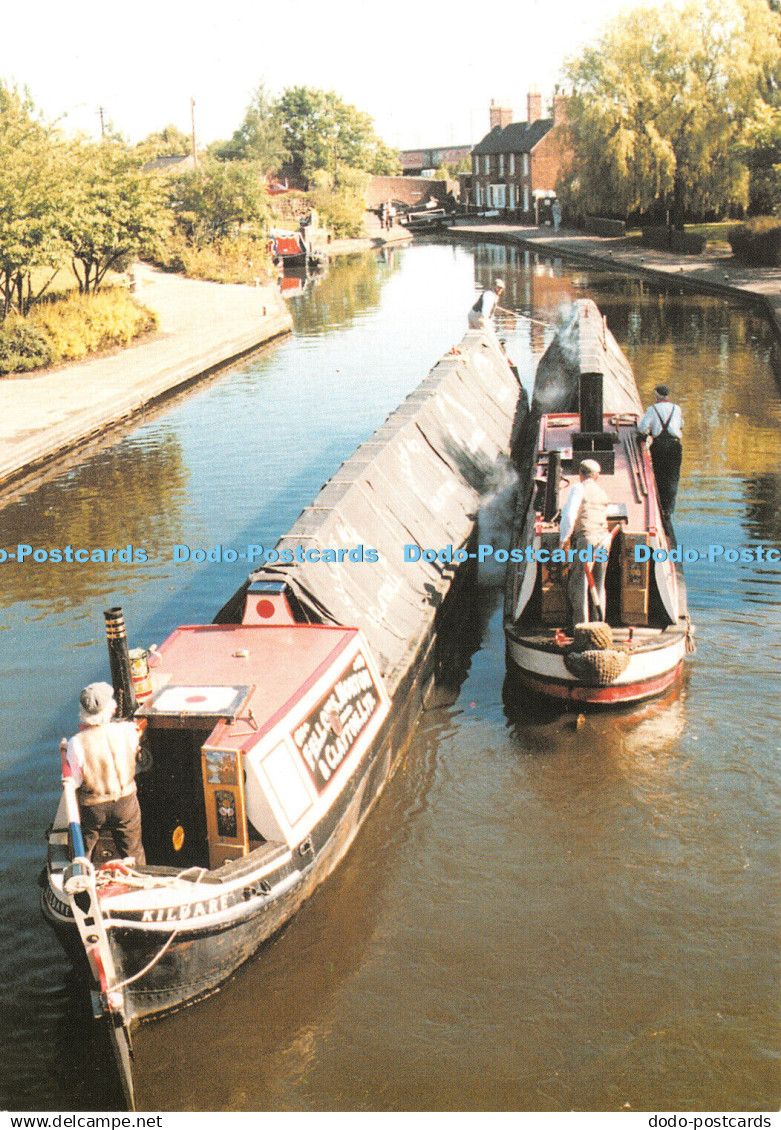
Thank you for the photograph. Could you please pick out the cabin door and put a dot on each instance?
(226, 813)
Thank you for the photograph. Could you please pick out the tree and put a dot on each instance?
(764, 160)
(32, 189)
(218, 200)
(167, 142)
(113, 210)
(664, 106)
(321, 131)
(341, 208)
(260, 137)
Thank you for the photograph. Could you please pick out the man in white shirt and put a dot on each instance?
(483, 310)
(583, 525)
(664, 423)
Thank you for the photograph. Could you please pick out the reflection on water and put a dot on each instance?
(542, 913)
(117, 508)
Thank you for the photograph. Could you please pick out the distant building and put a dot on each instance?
(425, 162)
(515, 167)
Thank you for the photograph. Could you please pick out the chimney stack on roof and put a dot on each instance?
(559, 109)
(534, 106)
(501, 116)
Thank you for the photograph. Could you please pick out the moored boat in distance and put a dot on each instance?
(292, 249)
(586, 406)
(270, 732)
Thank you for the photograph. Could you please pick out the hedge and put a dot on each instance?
(757, 242)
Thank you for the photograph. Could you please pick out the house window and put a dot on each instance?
(526, 164)
(496, 195)
(526, 198)
(512, 164)
(511, 195)
(501, 164)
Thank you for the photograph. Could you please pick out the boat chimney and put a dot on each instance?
(119, 662)
(590, 402)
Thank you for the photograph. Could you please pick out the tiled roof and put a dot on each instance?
(158, 163)
(518, 137)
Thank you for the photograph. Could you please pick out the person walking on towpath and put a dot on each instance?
(102, 758)
(584, 527)
(663, 421)
(481, 314)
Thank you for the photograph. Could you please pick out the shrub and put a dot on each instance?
(82, 323)
(758, 242)
(226, 261)
(69, 328)
(341, 208)
(23, 347)
(241, 260)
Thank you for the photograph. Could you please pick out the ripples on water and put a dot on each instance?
(537, 916)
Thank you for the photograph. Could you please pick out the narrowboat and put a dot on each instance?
(292, 249)
(586, 406)
(270, 732)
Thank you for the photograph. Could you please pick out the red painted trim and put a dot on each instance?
(613, 695)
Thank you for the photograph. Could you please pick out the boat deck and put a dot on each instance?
(626, 484)
(632, 638)
(248, 676)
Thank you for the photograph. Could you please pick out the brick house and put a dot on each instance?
(517, 164)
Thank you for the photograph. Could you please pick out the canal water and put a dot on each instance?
(538, 915)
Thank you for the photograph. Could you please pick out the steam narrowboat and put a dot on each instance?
(586, 406)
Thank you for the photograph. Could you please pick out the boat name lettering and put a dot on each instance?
(190, 910)
(328, 735)
(57, 905)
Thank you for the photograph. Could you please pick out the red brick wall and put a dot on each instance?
(546, 160)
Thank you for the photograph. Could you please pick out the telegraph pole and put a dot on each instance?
(192, 115)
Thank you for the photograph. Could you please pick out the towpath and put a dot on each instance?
(714, 271)
(202, 326)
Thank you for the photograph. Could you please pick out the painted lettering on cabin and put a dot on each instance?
(330, 732)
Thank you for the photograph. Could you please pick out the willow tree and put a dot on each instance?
(665, 105)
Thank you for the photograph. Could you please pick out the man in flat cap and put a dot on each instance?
(102, 757)
(664, 423)
(584, 524)
(483, 310)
